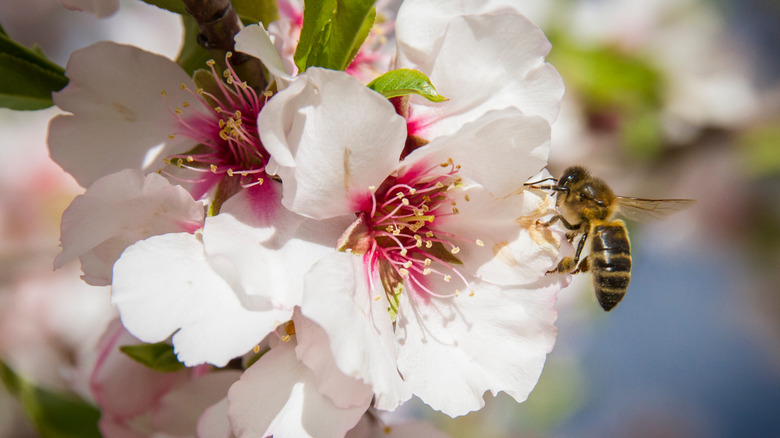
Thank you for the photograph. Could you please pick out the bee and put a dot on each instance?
(587, 205)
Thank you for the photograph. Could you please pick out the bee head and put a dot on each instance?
(572, 176)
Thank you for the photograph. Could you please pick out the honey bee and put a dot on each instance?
(587, 206)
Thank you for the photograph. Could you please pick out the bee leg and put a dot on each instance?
(584, 266)
(568, 263)
(557, 218)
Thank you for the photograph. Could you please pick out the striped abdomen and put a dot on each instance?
(610, 262)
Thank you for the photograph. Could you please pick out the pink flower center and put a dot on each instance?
(400, 236)
(225, 128)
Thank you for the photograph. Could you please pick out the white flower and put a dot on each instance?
(220, 292)
(118, 210)
(482, 56)
(132, 109)
(436, 239)
(280, 396)
(137, 401)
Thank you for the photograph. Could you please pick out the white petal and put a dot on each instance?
(420, 23)
(124, 388)
(498, 151)
(119, 114)
(483, 63)
(118, 210)
(313, 349)
(98, 8)
(254, 40)
(266, 248)
(338, 299)
(214, 421)
(179, 411)
(278, 396)
(454, 350)
(515, 250)
(332, 138)
(167, 284)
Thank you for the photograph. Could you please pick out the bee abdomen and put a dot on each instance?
(610, 260)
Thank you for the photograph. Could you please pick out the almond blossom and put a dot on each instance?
(136, 401)
(119, 210)
(132, 109)
(482, 56)
(440, 258)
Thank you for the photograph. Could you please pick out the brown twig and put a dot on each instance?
(218, 23)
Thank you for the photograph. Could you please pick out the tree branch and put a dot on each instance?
(218, 23)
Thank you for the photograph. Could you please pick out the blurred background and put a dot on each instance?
(665, 99)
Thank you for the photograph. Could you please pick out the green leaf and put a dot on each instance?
(159, 356)
(27, 77)
(176, 6)
(254, 11)
(332, 32)
(403, 82)
(55, 415)
(192, 55)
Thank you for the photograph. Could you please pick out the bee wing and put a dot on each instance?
(641, 209)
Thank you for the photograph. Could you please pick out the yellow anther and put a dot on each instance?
(412, 191)
(286, 338)
(199, 91)
(439, 185)
(229, 55)
(455, 210)
(457, 292)
(404, 273)
(182, 86)
(427, 262)
(260, 181)
(429, 234)
(480, 243)
(372, 189)
(180, 162)
(178, 111)
(428, 244)
(214, 168)
(408, 264)
(455, 250)
(403, 251)
(230, 172)
(164, 93)
(171, 136)
(166, 161)
(427, 271)
(210, 62)
(467, 197)
(185, 104)
(404, 201)
(256, 349)
(447, 278)
(268, 93)
(471, 294)
(190, 159)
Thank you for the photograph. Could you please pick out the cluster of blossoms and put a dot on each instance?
(336, 251)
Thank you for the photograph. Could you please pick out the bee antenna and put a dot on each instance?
(541, 181)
